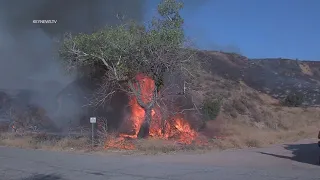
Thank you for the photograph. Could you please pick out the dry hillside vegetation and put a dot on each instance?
(252, 119)
(275, 77)
(247, 117)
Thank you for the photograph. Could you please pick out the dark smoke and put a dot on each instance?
(28, 59)
(72, 15)
(27, 54)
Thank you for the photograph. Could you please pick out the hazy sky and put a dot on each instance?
(257, 28)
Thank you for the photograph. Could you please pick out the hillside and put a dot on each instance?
(275, 77)
(250, 89)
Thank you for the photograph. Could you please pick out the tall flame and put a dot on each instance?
(174, 127)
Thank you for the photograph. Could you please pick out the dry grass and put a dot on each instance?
(149, 146)
(234, 136)
(156, 146)
(42, 142)
(266, 124)
(9, 139)
(253, 119)
(256, 126)
(251, 137)
(248, 119)
(145, 146)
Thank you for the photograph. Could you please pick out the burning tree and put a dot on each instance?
(132, 58)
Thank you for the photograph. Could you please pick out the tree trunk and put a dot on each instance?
(145, 127)
(147, 107)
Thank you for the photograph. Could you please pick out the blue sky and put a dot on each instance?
(255, 28)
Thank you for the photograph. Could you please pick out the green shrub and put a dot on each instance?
(211, 109)
(294, 100)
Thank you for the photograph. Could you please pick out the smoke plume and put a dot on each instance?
(28, 60)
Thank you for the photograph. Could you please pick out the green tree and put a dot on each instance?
(170, 22)
(117, 54)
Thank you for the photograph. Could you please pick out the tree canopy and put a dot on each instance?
(121, 52)
(128, 49)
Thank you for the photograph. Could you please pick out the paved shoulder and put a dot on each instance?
(293, 161)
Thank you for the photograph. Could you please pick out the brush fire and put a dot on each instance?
(173, 128)
(162, 125)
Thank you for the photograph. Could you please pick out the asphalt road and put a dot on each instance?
(294, 161)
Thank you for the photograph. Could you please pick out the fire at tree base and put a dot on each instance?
(174, 128)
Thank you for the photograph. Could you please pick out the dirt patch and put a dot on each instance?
(305, 69)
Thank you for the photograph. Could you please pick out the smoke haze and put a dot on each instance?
(28, 59)
(27, 55)
(27, 49)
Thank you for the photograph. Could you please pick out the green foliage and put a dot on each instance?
(170, 21)
(120, 52)
(211, 109)
(115, 45)
(294, 100)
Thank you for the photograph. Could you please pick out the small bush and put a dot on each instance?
(211, 109)
(294, 100)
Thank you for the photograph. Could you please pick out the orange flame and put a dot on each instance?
(173, 127)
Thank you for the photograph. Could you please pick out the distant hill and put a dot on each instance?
(274, 76)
